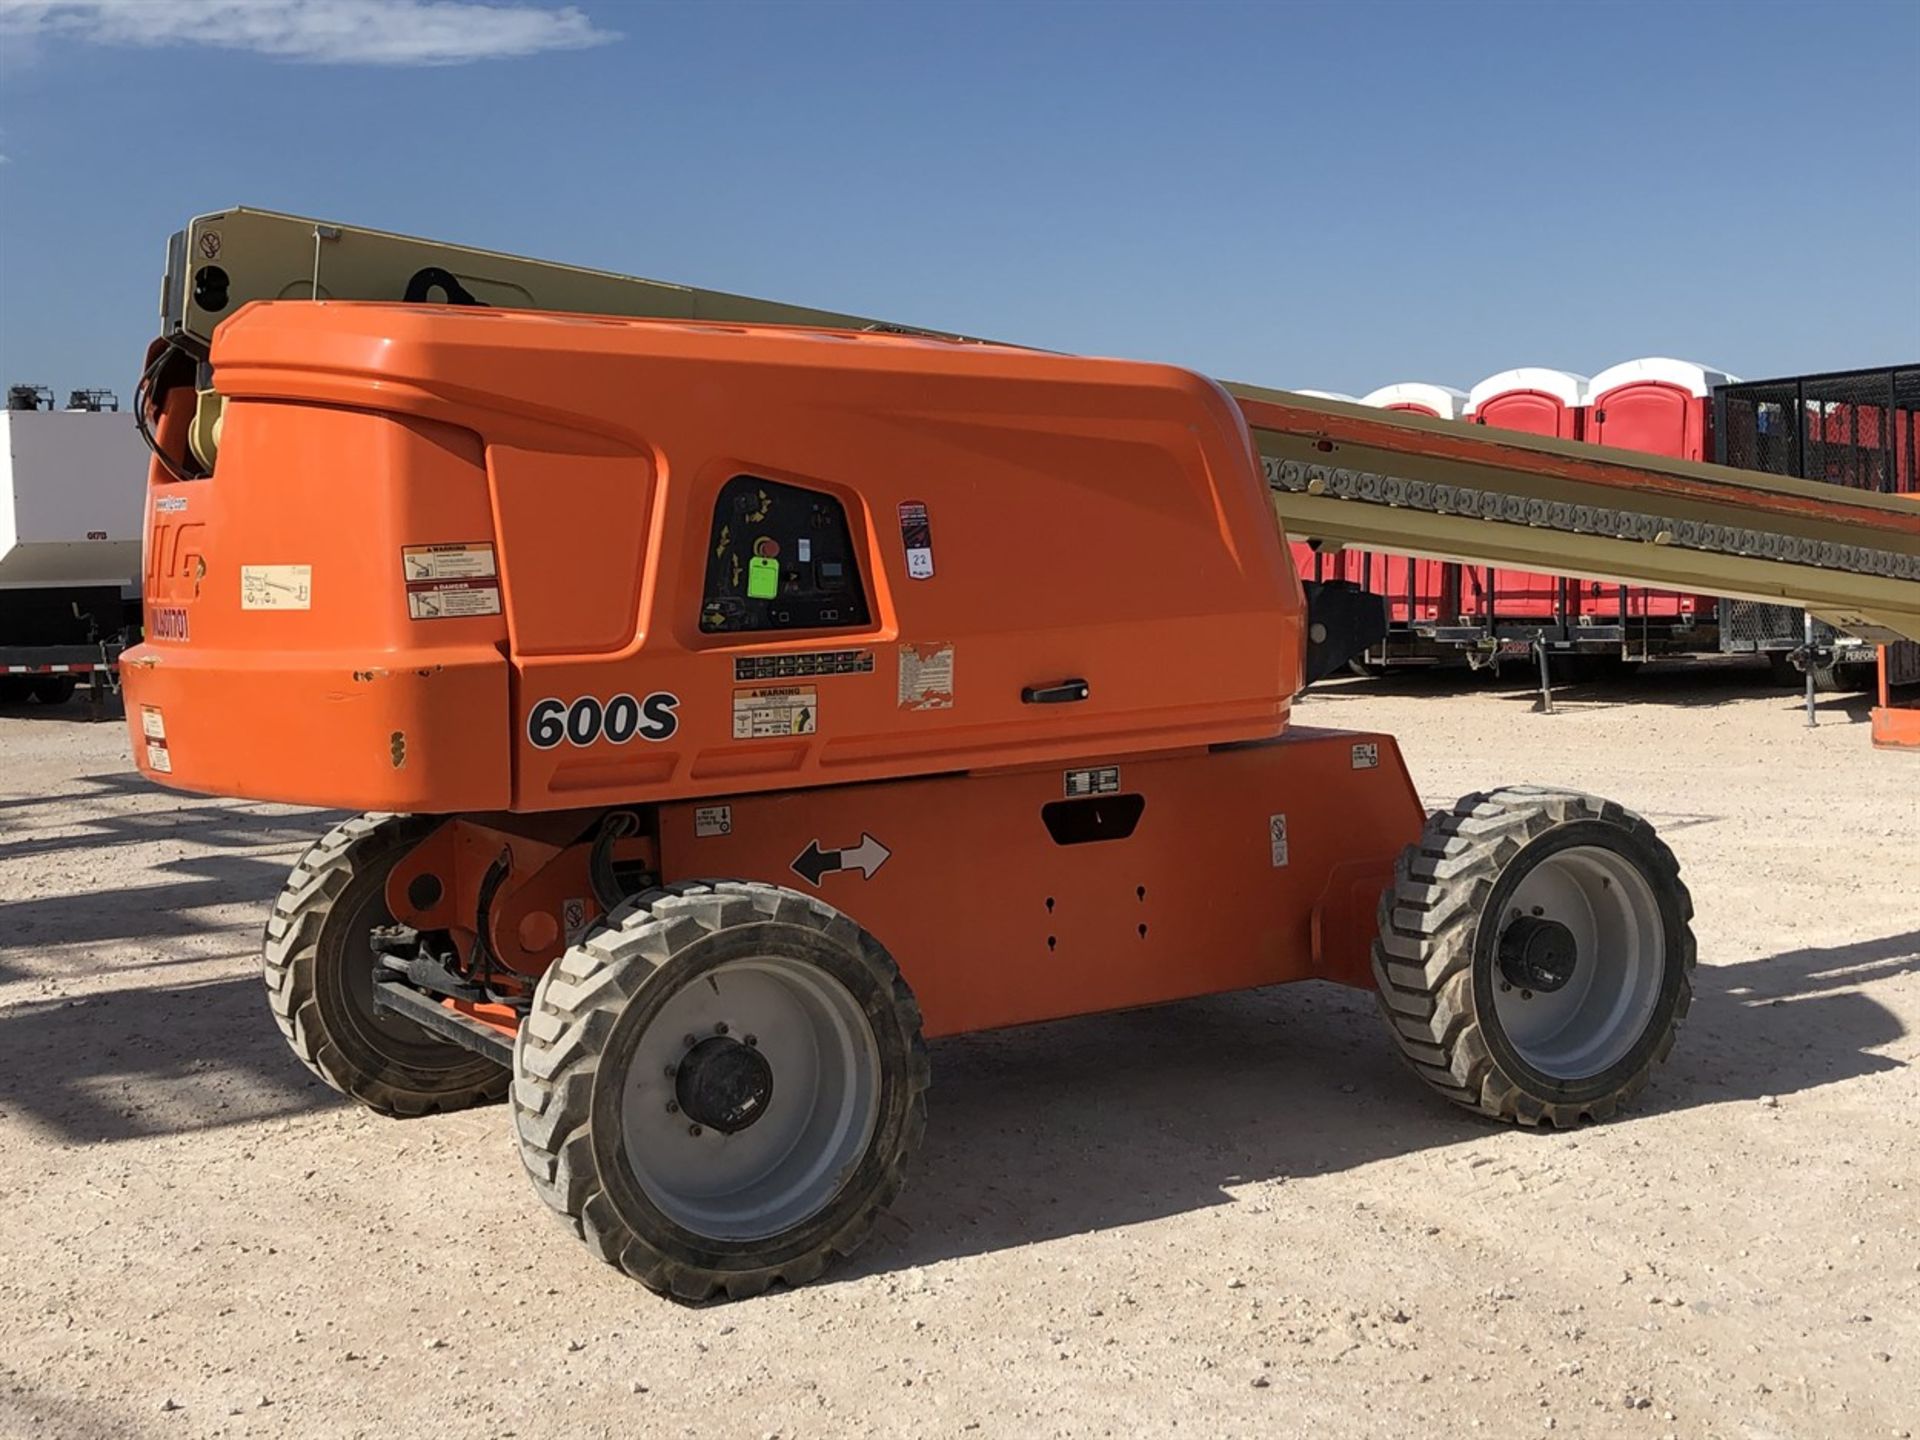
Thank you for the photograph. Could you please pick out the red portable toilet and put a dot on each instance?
(1443, 402)
(1420, 590)
(1532, 399)
(1660, 406)
(1536, 401)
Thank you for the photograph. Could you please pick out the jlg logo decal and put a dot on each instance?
(583, 721)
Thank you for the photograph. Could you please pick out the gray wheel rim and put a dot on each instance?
(789, 1164)
(1593, 1021)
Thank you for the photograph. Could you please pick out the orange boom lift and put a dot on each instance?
(738, 706)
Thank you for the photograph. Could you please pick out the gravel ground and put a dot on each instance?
(1236, 1216)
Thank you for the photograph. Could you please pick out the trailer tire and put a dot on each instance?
(318, 970)
(1846, 678)
(1558, 1010)
(611, 1137)
(53, 689)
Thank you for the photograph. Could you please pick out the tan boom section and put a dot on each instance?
(1341, 474)
(1354, 475)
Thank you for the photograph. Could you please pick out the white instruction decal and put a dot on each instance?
(776, 710)
(276, 587)
(1277, 834)
(158, 758)
(1366, 757)
(452, 599)
(472, 561)
(1103, 781)
(712, 820)
(926, 677)
(153, 724)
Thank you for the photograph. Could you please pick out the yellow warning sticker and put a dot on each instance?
(472, 560)
(777, 710)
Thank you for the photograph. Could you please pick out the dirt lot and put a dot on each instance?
(1230, 1217)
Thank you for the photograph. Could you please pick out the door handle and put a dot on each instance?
(1061, 692)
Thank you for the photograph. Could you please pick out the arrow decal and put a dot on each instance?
(813, 863)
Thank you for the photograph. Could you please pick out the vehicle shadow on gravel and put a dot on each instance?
(208, 826)
(148, 1057)
(1091, 1124)
(157, 1060)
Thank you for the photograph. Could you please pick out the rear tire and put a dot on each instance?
(824, 1105)
(319, 967)
(1534, 955)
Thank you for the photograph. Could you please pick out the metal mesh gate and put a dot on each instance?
(1857, 428)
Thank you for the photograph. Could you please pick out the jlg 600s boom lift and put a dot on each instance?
(738, 704)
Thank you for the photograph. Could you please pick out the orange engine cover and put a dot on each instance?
(459, 559)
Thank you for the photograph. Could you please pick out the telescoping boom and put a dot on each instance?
(1340, 474)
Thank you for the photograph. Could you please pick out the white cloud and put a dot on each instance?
(323, 32)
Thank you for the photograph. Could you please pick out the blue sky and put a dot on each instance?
(1333, 196)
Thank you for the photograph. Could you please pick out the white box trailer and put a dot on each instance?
(71, 499)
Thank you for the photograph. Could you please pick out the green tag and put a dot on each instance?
(763, 578)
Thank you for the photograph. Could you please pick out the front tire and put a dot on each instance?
(318, 967)
(1534, 955)
(721, 1087)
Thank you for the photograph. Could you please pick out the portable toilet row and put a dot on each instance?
(1656, 405)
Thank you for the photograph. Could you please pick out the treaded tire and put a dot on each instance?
(318, 971)
(593, 1005)
(1434, 962)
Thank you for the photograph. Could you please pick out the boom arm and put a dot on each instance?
(1341, 473)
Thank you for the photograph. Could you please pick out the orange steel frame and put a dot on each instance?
(1252, 865)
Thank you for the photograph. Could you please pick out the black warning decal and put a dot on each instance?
(916, 533)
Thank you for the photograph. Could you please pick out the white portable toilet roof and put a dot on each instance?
(1565, 386)
(1445, 401)
(1330, 395)
(1697, 380)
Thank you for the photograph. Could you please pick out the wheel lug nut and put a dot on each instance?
(694, 1130)
(1526, 994)
(672, 1070)
(673, 1107)
(753, 1039)
(692, 1040)
(721, 1028)
(1539, 910)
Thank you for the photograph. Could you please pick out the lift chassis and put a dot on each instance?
(737, 706)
